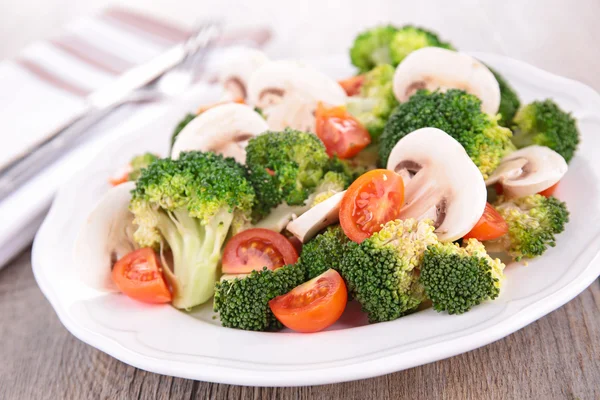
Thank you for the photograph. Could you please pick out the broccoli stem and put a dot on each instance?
(196, 249)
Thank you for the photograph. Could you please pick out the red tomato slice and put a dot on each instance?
(341, 133)
(256, 248)
(139, 275)
(314, 305)
(352, 85)
(372, 200)
(490, 226)
(550, 191)
(296, 243)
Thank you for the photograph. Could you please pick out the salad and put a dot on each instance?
(406, 186)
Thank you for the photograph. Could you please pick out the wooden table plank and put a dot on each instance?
(557, 357)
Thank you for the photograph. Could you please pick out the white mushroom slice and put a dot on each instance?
(445, 185)
(435, 68)
(529, 171)
(306, 226)
(224, 129)
(105, 237)
(237, 70)
(288, 93)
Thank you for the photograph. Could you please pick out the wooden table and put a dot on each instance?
(557, 357)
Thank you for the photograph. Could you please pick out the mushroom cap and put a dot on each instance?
(105, 237)
(436, 68)
(287, 92)
(528, 171)
(306, 226)
(224, 129)
(237, 68)
(444, 186)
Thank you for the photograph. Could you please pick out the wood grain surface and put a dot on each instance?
(557, 357)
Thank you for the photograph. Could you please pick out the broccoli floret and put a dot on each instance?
(533, 221)
(191, 203)
(372, 47)
(284, 167)
(509, 101)
(382, 271)
(457, 113)
(459, 278)
(376, 100)
(184, 121)
(324, 251)
(332, 183)
(545, 124)
(244, 303)
(410, 38)
(138, 163)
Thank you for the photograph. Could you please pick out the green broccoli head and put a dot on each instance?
(184, 121)
(410, 38)
(244, 303)
(191, 203)
(509, 101)
(324, 251)
(372, 47)
(332, 183)
(382, 272)
(533, 222)
(284, 167)
(138, 163)
(376, 100)
(458, 278)
(545, 124)
(457, 113)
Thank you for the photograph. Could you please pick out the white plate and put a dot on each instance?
(163, 340)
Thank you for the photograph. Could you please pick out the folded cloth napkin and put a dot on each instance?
(46, 87)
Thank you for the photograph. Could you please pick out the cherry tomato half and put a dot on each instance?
(256, 248)
(139, 275)
(352, 85)
(372, 200)
(490, 226)
(314, 305)
(341, 133)
(550, 191)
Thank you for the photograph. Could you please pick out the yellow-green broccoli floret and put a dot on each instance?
(372, 47)
(324, 251)
(533, 222)
(376, 100)
(382, 272)
(545, 124)
(410, 38)
(458, 278)
(191, 204)
(138, 163)
(244, 303)
(457, 113)
(332, 183)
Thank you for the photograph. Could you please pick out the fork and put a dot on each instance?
(171, 83)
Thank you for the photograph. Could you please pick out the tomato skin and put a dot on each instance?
(139, 276)
(296, 243)
(205, 107)
(256, 248)
(490, 226)
(375, 198)
(341, 133)
(352, 85)
(118, 180)
(314, 305)
(550, 191)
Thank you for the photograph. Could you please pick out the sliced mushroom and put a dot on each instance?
(237, 70)
(224, 129)
(434, 68)
(317, 218)
(442, 184)
(106, 236)
(288, 92)
(529, 171)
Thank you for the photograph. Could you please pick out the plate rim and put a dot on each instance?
(378, 366)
